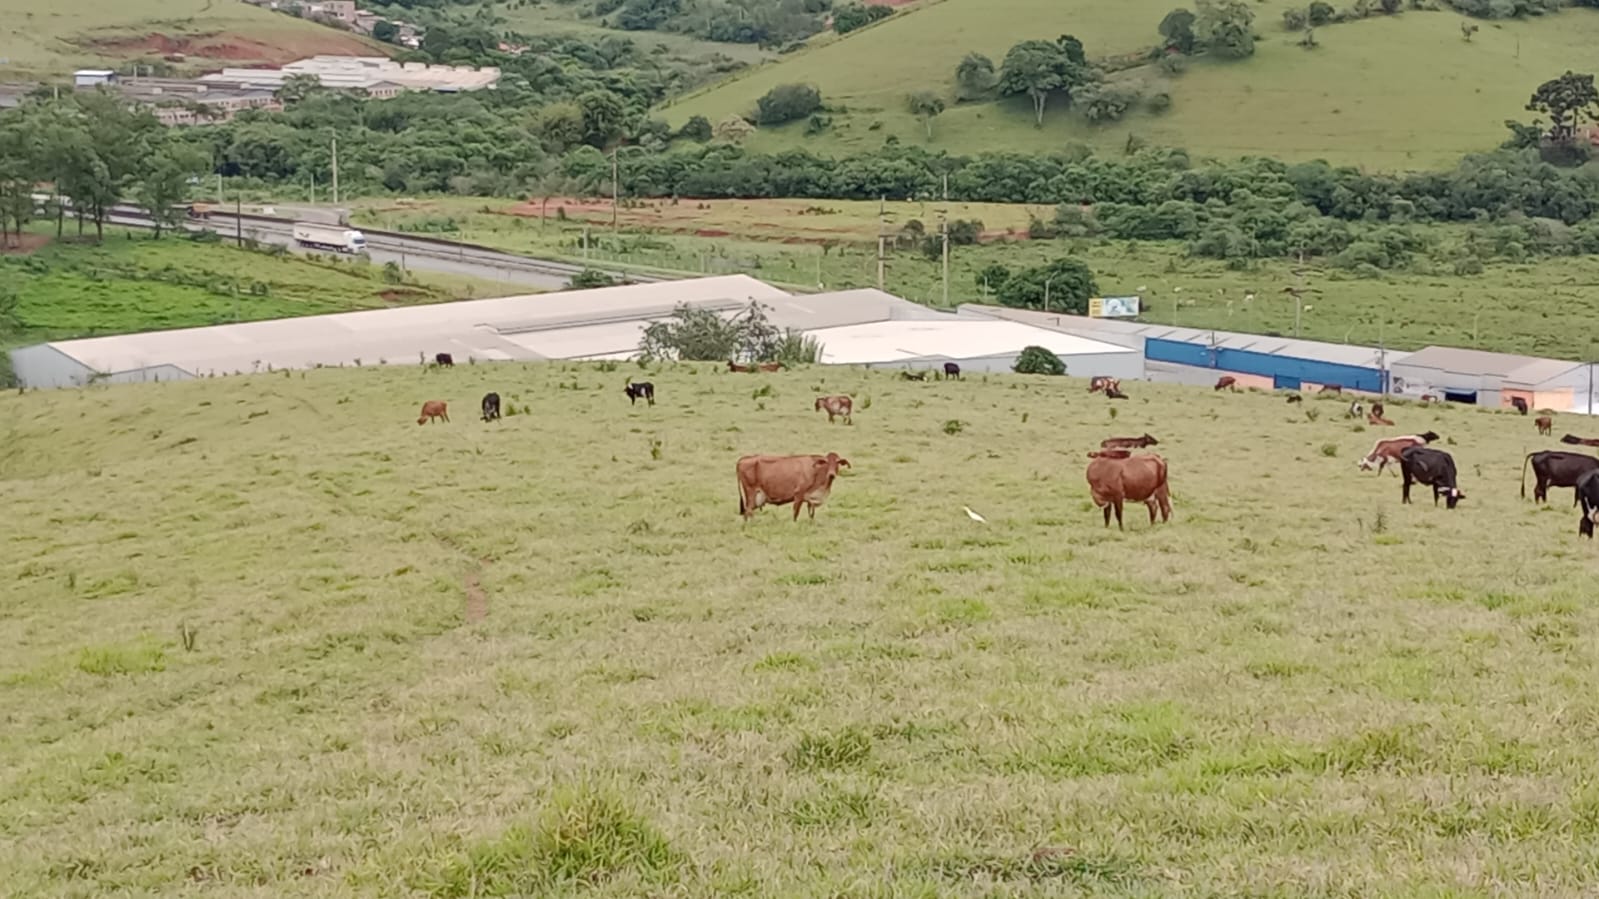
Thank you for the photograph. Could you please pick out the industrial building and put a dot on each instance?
(1495, 379)
(976, 346)
(377, 75)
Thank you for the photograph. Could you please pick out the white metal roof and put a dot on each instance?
(1511, 367)
(893, 341)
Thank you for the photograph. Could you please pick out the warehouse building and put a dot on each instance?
(976, 346)
(1495, 379)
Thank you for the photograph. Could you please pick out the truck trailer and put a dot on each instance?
(328, 237)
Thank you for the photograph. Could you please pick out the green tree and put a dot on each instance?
(734, 129)
(1320, 13)
(385, 31)
(164, 182)
(1567, 100)
(1064, 285)
(560, 126)
(604, 116)
(851, 16)
(1036, 360)
(1038, 69)
(1178, 30)
(697, 334)
(926, 105)
(21, 167)
(297, 88)
(975, 77)
(697, 129)
(787, 103)
(1225, 28)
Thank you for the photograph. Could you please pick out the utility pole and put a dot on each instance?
(221, 197)
(615, 191)
(238, 217)
(946, 187)
(943, 228)
(313, 187)
(882, 233)
(335, 170)
(1299, 291)
(1047, 282)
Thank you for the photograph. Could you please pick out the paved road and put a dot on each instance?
(439, 256)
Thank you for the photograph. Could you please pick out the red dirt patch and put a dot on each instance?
(23, 245)
(272, 48)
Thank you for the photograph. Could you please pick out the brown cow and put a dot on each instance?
(433, 409)
(779, 480)
(1546, 425)
(1102, 382)
(734, 366)
(1227, 382)
(770, 366)
(1388, 450)
(1574, 440)
(1115, 476)
(1128, 442)
(1376, 418)
(836, 405)
(1428, 398)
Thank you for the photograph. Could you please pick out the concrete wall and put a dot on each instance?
(45, 366)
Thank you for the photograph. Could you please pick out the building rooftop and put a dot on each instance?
(907, 341)
(1510, 367)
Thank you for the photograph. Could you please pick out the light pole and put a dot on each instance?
(1046, 291)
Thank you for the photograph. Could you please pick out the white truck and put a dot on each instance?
(329, 237)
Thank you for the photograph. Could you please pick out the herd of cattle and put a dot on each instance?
(1116, 475)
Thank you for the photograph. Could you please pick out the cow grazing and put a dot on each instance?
(1546, 425)
(770, 366)
(951, 370)
(444, 359)
(1519, 404)
(642, 390)
(1356, 410)
(434, 409)
(1102, 382)
(1434, 468)
(1574, 440)
(1376, 419)
(779, 480)
(835, 406)
(1553, 468)
(1295, 398)
(1114, 392)
(734, 366)
(913, 376)
(1588, 495)
(1128, 442)
(1428, 398)
(491, 407)
(1117, 476)
(1227, 382)
(1388, 450)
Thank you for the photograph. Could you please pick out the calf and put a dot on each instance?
(951, 370)
(1428, 398)
(444, 359)
(1376, 419)
(1388, 450)
(1356, 410)
(643, 390)
(1546, 425)
(836, 405)
(1128, 442)
(780, 480)
(1117, 476)
(1552, 468)
(1519, 404)
(491, 407)
(1295, 398)
(434, 409)
(1227, 382)
(1435, 468)
(734, 366)
(1102, 382)
(1574, 440)
(1588, 495)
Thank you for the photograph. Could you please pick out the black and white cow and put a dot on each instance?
(1435, 468)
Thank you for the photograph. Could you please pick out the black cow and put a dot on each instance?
(1435, 468)
(445, 359)
(951, 370)
(1520, 404)
(642, 390)
(491, 407)
(1553, 468)
(1588, 493)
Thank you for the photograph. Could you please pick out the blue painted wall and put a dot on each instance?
(1283, 369)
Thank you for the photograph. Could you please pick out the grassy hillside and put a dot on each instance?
(70, 289)
(39, 38)
(557, 18)
(1390, 92)
(490, 660)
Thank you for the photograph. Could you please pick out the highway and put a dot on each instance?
(423, 254)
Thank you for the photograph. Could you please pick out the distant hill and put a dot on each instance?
(39, 38)
(1401, 91)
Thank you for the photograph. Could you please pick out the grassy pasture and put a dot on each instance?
(1401, 92)
(556, 18)
(544, 657)
(39, 38)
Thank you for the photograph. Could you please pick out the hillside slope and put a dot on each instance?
(543, 657)
(1390, 92)
(40, 39)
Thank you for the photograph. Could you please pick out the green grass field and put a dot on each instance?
(132, 283)
(40, 39)
(1545, 308)
(555, 18)
(1396, 92)
(545, 657)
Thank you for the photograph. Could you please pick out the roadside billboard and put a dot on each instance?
(1113, 307)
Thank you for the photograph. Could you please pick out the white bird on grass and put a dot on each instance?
(973, 515)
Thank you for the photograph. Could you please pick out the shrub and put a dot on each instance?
(787, 103)
(1320, 12)
(697, 128)
(1035, 360)
(1295, 19)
